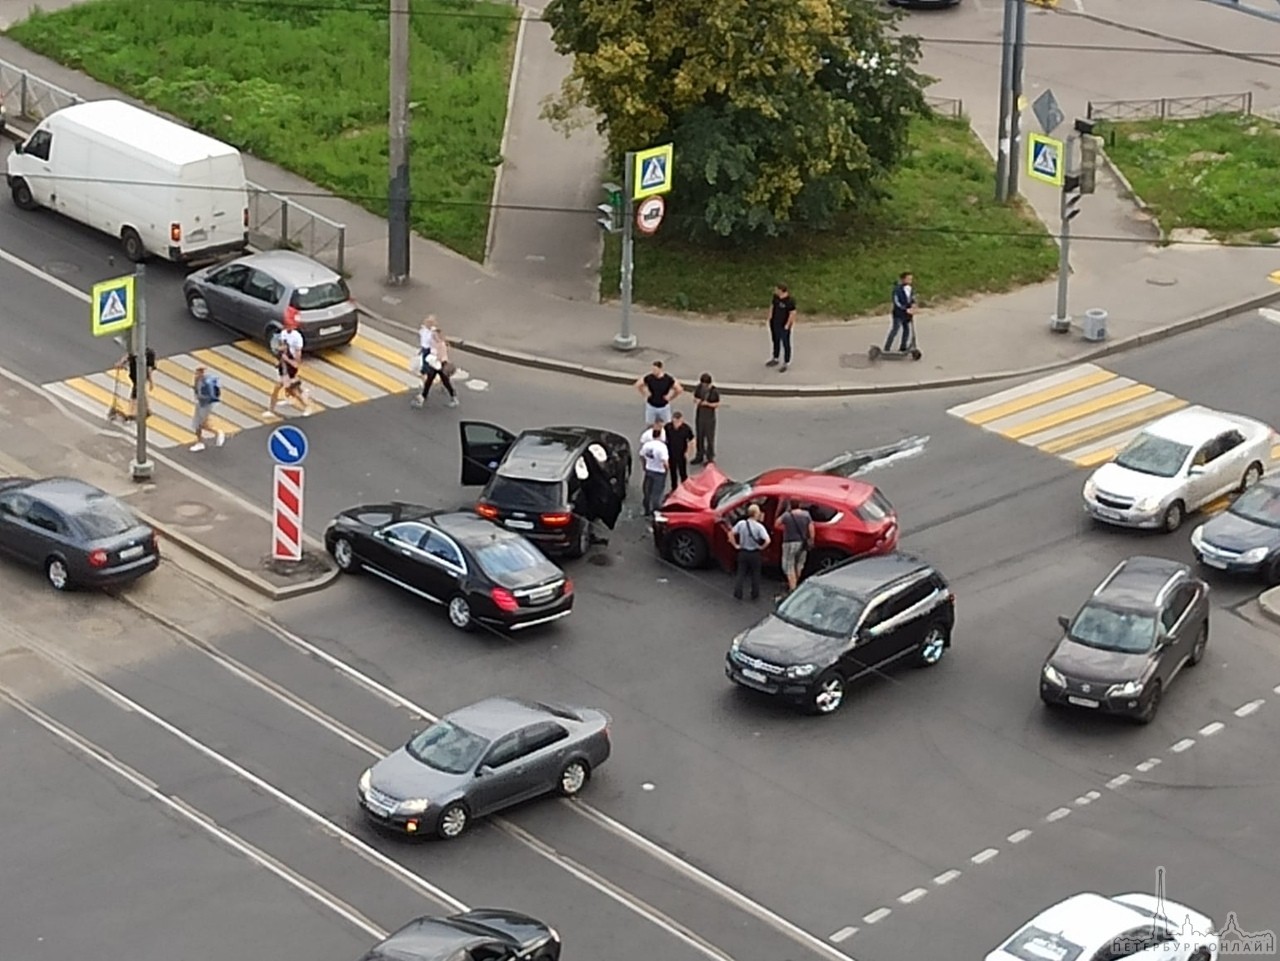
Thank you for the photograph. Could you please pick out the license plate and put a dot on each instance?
(521, 525)
(756, 676)
(130, 553)
(1108, 513)
(1214, 562)
(540, 596)
(1082, 701)
(326, 331)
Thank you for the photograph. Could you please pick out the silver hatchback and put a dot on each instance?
(253, 295)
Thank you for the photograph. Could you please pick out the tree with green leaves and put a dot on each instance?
(784, 113)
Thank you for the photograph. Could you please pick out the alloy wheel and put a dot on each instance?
(1202, 641)
(933, 646)
(686, 549)
(1153, 704)
(573, 778)
(343, 555)
(1251, 477)
(829, 694)
(56, 570)
(198, 306)
(453, 821)
(1173, 517)
(459, 612)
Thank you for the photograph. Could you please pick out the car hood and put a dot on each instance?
(1234, 533)
(696, 493)
(1114, 479)
(402, 777)
(776, 641)
(1086, 663)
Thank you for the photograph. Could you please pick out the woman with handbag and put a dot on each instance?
(435, 362)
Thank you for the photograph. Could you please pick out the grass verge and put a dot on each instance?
(940, 221)
(1220, 174)
(304, 85)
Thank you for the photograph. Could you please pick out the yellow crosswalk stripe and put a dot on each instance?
(312, 373)
(1079, 410)
(88, 388)
(382, 352)
(211, 358)
(1088, 435)
(365, 372)
(1275, 452)
(1217, 506)
(1096, 457)
(1027, 401)
(230, 396)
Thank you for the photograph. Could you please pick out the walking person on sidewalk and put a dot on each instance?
(207, 392)
(796, 525)
(654, 456)
(435, 362)
(659, 389)
(904, 311)
(749, 539)
(782, 318)
(706, 401)
(678, 436)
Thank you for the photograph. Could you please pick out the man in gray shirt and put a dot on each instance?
(797, 537)
(749, 538)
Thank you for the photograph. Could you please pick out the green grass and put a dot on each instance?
(305, 86)
(940, 221)
(1219, 174)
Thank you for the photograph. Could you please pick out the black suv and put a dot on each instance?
(1143, 624)
(549, 484)
(851, 620)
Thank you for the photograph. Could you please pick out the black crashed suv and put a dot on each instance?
(859, 618)
(1146, 621)
(549, 484)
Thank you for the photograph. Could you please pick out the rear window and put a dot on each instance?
(1033, 944)
(525, 495)
(876, 508)
(506, 556)
(321, 295)
(104, 517)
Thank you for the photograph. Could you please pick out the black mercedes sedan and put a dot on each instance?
(481, 759)
(78, 535)
(1245, 539)
(482, 934)
(479, 572)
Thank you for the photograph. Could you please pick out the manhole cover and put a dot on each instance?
(1162, 280)
(61, 268)
(190, 511)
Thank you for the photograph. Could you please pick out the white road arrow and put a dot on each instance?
(293, 451)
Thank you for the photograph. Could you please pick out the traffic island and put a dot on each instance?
(1269, 601)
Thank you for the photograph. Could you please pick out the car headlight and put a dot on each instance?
(1090, 488)
(737, 643)
(365, 780)
(1197, 537)
(801, 670)
(1053, 677)
(1148, 503)
(1127, 689)
(416, 805)
(1255, 556)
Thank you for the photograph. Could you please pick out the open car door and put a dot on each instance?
(604, 501)
(483, 447)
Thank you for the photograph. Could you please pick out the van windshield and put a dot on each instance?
(320, 296)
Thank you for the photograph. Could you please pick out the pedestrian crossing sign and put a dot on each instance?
(112, 306)
(1044, 159)
(651, 173)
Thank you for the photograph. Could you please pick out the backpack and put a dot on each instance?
(210, 389)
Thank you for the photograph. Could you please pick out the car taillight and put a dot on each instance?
(504, 599)
(98, 558)
(487, 511)
(175, 233)
(568, 587)
(290, 315)
(556, 520)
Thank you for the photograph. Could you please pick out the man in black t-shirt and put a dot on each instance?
(130, 361)
(707, 401)
(679, 434)
(782, 317)
(659, 389)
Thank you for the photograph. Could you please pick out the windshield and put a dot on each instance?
(1260, 505)
(729, 490)
(447, 747)
(1111, 630)
(504, 556)
(525, 495)
(1149, 454)
(321, 295)
(816, 607)
(105, 517)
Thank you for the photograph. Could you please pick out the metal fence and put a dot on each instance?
(952, 107)
(274, 220)
(1171, 108)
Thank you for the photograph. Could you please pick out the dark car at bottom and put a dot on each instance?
(850, 621)
(482, 934)
(479, 572)
(79, 535)
(1245, 538)
(1147, 620)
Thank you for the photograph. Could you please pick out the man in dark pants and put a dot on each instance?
(749, 539)
(130, 360)
(904, 311)
(679, 434)
(706, 400)
(782, 317)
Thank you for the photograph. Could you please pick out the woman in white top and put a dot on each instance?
(434, 349)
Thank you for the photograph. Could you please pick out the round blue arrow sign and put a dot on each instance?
(288, 445)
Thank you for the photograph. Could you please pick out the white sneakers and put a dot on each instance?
(219, 439)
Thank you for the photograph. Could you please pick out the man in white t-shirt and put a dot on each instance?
(288, 349)
(653, 455)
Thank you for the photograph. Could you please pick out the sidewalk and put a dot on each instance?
(1157, 293)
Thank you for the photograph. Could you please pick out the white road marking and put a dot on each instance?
(201, 820)
(1212, 728)
(982, 857)
(48, 278)
(1017, 837)
(946, 877)
(844, 934)
(1120, 780)
(1057, 815)
(1268, 313)
(1147, 765)
(1276, 689)
(879, 914)
(1244, 710)
(1183, 745)
(914, 895)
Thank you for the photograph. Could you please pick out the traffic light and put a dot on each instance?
(1072, 186)
(611, 212)
(1089, 148)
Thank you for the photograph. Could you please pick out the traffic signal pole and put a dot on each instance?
(625, 339)
(142, 468)
(1080, 161)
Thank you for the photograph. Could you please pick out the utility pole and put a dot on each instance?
(1080, 162)
(142, 468)
(625, 339)
(1004, 146)
(398, 190)
(1015, 94)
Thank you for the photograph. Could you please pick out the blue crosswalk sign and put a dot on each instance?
(1044, 159)
(652, 171)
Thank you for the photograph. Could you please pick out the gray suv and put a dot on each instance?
(1143, 624)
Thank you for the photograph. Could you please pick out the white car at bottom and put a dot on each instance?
(1176, 465)
(1091, 927)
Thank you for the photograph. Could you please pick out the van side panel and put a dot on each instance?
(71, 163)
(211, 203)
(129, 190)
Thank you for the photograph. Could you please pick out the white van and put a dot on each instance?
(160, 187)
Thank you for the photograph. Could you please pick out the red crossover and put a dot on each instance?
(851, 518)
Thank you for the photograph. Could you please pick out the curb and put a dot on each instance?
(1269, 601)
(1127, 186)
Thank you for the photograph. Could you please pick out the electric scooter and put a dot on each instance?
(912, 351)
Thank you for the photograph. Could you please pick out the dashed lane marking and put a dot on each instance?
(982, 857)
(1183, 745)
(1017, 837)
(1147, 765)
(1057, 815)
(876, 916)
(1119, 781)
(912, 896)
(1212, 728)
(946, 877)
(1087, 798)
(844, 934)
(1244, 710)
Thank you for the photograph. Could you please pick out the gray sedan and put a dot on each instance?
(480, 759)
(254, 295)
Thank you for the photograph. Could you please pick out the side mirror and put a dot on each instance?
(1064, 622)
(484, 770)
(1195, 470)
(17, 148)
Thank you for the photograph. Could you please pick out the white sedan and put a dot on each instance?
(1090, 927)
(1176, 465)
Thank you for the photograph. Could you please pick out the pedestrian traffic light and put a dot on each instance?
(1089, 149)
(610, 219)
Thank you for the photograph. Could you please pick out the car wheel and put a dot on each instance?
(824, 560)
(934, 645)
(197, 306)
(582, 539)
(1202, 641)
(688, 549)
(22, 196)
(1148, 712)
(344, 555)
(55, 569)
(453, 821)
(1272, 572)
(134, 248)
(1173, 516)
(573, 778)
(1251, 476)
(827, 694)
(460, 613)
